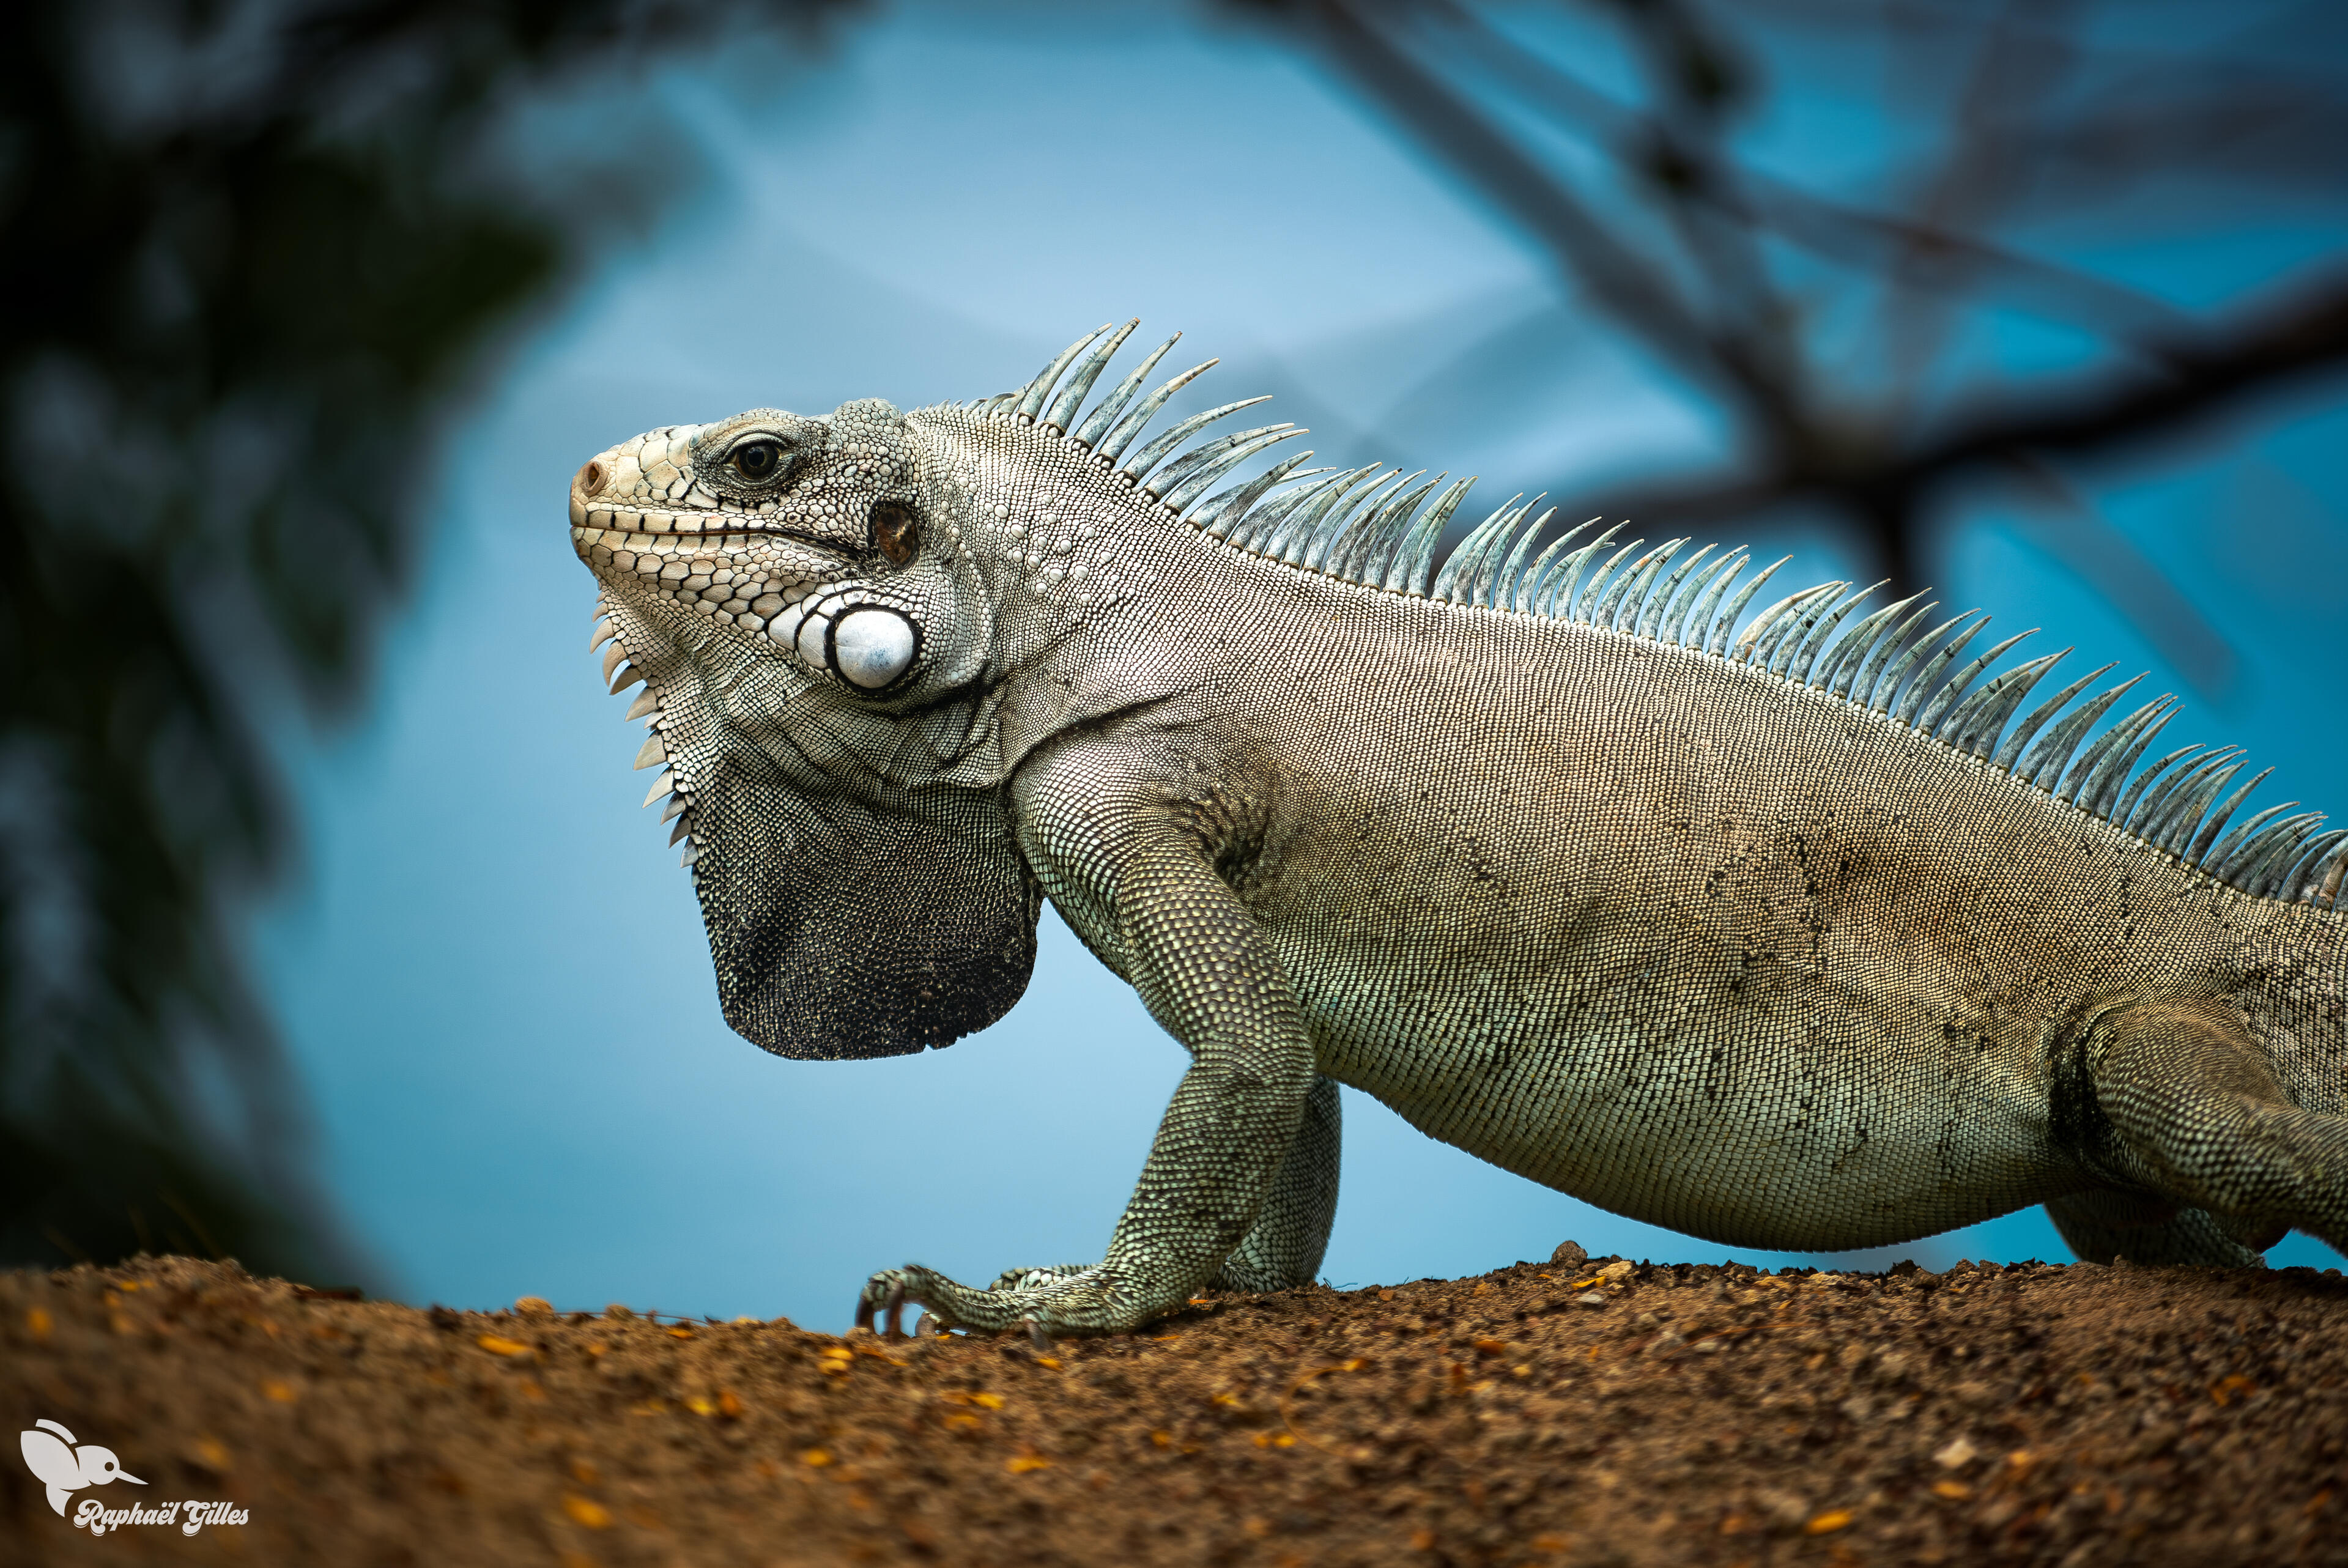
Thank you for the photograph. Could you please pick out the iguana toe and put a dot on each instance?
(1068, 1299)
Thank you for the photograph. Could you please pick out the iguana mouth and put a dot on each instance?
(730, 584)
(622, 490)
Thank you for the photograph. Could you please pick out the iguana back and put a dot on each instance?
(1814, 934)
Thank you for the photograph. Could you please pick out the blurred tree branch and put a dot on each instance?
(1687, 248)
(253, 252)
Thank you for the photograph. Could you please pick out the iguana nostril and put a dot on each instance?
(871, 647)
(593, 478)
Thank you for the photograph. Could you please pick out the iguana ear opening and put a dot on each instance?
(840, 928)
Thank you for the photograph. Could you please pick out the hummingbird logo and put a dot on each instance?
(51, 1455)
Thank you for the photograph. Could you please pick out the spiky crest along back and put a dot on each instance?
(1381, 531)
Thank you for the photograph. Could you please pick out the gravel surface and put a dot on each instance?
(1600, 1413)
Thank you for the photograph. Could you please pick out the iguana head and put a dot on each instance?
(828, 616)
(795, 541)
(791, 594)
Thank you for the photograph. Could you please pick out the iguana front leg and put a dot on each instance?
(1292, 1229)
(1283, 1248)
(1137, 885)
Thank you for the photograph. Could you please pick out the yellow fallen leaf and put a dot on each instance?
(729, 1404)
(1954, 1491)
(817, 1457)
(680, 1332)
(586, 1510)
(989, 1401)
(701, 1407)
(278, 1389)
(1022, 1463)
(1051, 1361)
(1828, 1523)
(961, 1421)
(1165, 1439)
(38, 1322)
(497, 1345)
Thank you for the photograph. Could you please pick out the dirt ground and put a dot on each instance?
(1604, 1413)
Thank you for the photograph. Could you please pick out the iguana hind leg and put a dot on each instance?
(2175, 1102)
(2103, 1224)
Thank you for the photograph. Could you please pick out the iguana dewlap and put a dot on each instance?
(1805, 932)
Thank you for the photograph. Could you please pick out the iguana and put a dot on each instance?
(1798, 933)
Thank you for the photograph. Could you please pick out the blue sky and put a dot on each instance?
(492, 971)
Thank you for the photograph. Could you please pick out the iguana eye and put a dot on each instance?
(757, 461)
(896, 532)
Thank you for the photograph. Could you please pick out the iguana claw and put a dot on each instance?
(883, 1296)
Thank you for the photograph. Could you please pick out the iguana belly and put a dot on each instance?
(1772, 1130)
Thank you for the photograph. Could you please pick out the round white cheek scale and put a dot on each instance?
(871, 647)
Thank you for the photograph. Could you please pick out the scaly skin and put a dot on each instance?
(1699, 942)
